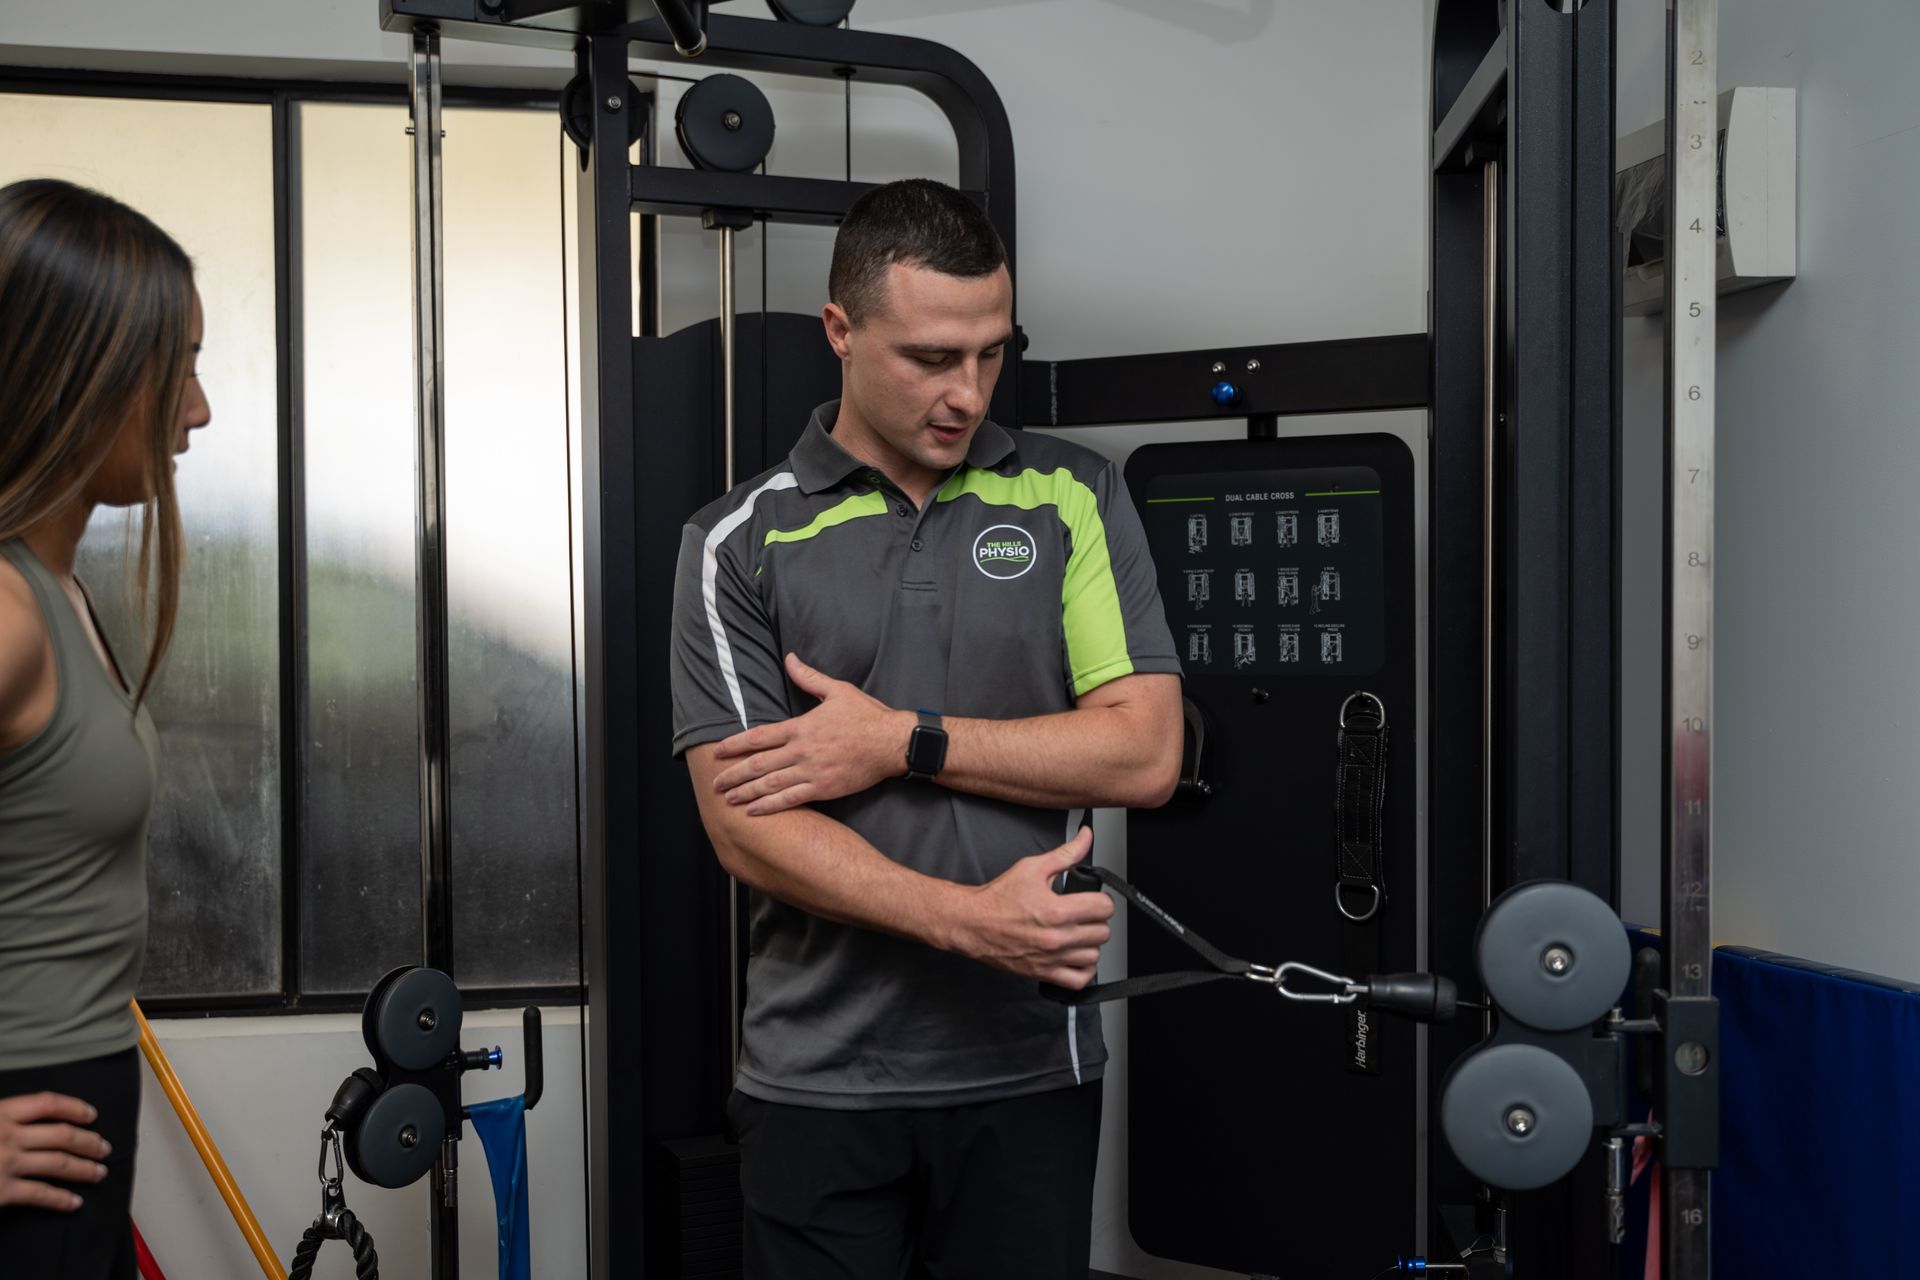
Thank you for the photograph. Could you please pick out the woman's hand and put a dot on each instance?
(40, 1137)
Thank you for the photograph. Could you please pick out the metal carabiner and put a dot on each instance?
(333, 1198)
(1348, 991)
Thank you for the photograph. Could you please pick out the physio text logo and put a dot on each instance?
(1004, 551)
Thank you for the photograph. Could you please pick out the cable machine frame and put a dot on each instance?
(1524, 476)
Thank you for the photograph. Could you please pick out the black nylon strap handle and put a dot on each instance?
(1085, 878)
(1359, 890)
(1360, 797)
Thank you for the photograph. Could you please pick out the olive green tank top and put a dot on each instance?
(74, 802)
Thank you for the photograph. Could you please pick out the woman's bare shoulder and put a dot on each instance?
(23, 644)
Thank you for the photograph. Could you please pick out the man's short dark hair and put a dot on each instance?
(917, 223)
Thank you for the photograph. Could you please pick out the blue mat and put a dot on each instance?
(1819, 1120)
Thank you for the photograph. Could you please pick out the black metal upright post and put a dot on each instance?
(1464, 37)
(1535, 93)
(430, 595)
(1561, 632)
(616, 1178)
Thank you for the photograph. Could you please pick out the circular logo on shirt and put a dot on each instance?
(1004, 551)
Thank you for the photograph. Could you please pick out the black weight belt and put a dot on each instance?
(1359, 891)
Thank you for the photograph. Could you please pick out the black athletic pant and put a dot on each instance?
(991, 1191)
(95, 1241)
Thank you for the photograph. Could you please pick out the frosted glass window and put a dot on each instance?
(360, 912)
(515, 869)
(512, 788)
(204, 172)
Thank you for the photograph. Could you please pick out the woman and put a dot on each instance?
(99, 327)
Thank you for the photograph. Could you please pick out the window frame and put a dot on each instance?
(283, 97)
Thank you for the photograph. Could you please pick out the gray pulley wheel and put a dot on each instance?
(724, 123)
(1517, 1116)
(1553, 955)
(415, 1019)
(398, 1139)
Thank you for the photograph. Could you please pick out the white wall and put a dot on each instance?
(1212, 172)
(1816, 697)
(262, 1086)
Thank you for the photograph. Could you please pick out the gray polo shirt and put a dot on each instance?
(1023, 583)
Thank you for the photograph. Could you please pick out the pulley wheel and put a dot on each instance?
(724, 123)
(1552, 955)
(814, 13)
(577, 106)
(412, 1018)
(398, 1139)
(1517, 1116)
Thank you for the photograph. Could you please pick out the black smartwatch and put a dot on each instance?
(927, 747)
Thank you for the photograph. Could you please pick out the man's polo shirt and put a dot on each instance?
(1023, 583)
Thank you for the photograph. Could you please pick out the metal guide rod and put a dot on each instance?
(1489, 424)
(1693, 212)
(430, 610)
(728, 336)
(728, 358)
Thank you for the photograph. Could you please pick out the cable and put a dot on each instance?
(846, 24)
(766, 344)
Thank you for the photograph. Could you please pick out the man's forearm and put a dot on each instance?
(1120, 745)
(1089, 757)
(808, 860)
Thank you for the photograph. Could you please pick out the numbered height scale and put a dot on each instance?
(1693, 212)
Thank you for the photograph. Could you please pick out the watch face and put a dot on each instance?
(926, 751)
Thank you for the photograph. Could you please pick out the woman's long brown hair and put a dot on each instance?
(96, 314)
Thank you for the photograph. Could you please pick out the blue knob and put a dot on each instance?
(1225, 394)
(493, 1056)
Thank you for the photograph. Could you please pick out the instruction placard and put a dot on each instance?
(1272, 573)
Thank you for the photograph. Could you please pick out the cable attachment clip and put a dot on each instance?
(333, 1199)
(1348, 991)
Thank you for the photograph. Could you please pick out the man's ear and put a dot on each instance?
(839, 328)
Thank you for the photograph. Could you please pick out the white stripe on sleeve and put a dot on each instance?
(709, 586)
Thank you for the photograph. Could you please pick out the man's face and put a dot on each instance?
(920, 369)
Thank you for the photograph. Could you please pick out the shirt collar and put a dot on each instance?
(820, 463)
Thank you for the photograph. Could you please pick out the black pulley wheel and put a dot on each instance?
(725, 123)
(397, 1141)
(576, 112)
(412, 1018)
(1553, 955)
(814, 13)
(577, 107)
(1517, 1116)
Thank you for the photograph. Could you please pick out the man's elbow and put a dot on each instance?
(1154, 780)
(726, 854)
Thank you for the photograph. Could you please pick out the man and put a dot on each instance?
(905, 662)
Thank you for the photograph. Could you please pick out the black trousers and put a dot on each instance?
(990, 1191)
(95, 1241)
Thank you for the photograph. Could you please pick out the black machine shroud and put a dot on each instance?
(1320, 1176)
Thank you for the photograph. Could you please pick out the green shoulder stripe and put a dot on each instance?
(860, 504)
(1090, 616)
